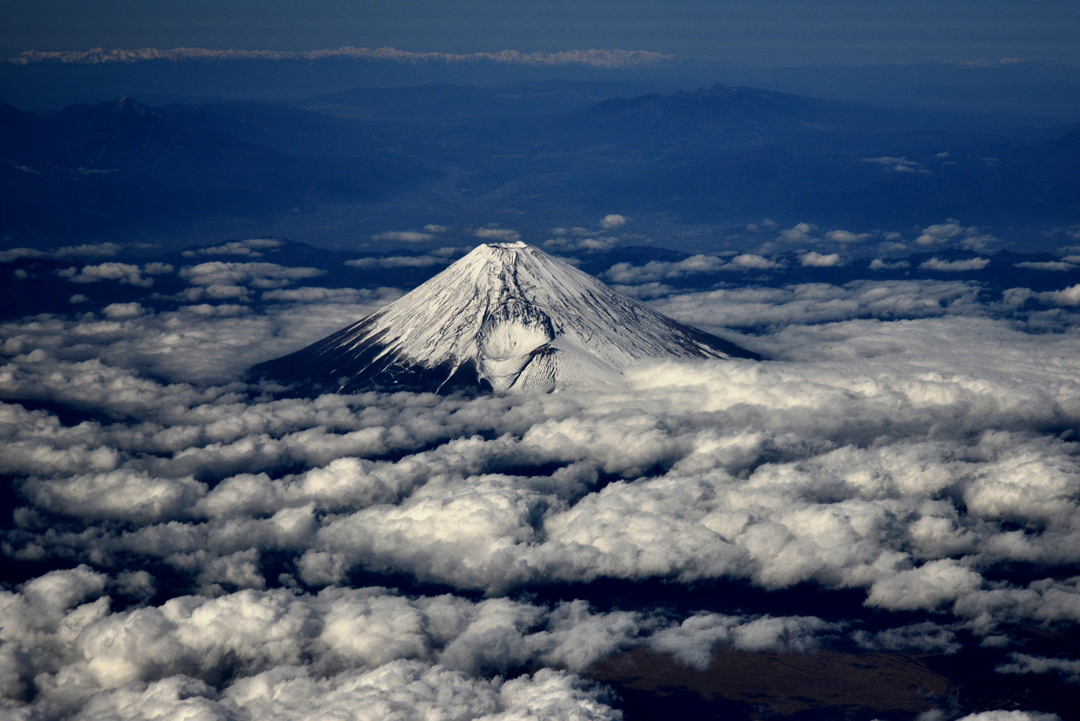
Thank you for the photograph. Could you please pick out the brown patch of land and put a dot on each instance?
(786, 683)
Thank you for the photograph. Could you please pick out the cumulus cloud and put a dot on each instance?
(200, 343)
(123, 272)
(940, 233)
(259, 275)
(1010, 716)
(846, 236)
(818, 260)
(10, 256)
(613, 220)
(800, 233)
(819, 302)
(880, 264)
(925, 637)
(404, 236)
(1023, 663)
(587, 244)
(400, 261)
(764, 225)
(122, 310)
(115, 495)
(89, 250)
(498, 235)
(954, 266)
(1046, 265)
(221, 280)
(750, 261)
(68, 251)
(443, 515)
(867, 455)
(157, 269)
(951, 231)
(327, 295)
(645, 291)
(252, 248)
(925, 587)
(899, 165)
(658, 270)
(291, 655)
(1067, 296)
(693, 641)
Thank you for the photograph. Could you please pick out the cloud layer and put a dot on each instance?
(907, 442)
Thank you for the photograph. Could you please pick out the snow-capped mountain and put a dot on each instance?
(508, 316)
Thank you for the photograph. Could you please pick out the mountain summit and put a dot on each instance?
(506, 316)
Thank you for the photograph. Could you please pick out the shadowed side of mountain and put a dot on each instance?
(341, 364)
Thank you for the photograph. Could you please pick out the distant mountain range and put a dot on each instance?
(124, 167)
(539, 154)
(52, 80)
(595, 58)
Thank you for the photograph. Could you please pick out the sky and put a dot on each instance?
(757, 32)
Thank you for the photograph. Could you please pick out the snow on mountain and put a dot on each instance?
(506, 316)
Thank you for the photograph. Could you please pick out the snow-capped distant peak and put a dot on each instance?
(506, 315)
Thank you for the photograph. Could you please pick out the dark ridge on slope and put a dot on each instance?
(332, 365)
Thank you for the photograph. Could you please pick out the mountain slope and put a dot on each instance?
(507, 317)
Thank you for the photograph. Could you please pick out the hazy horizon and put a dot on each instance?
(769, 32)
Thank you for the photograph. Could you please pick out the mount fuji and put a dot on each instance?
(506, 317)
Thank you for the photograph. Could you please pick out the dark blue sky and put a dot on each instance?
(770, 32)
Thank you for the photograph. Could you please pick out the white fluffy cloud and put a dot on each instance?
(614, 220)
(659, 270)
(399, 261)
(694, 501)
(954, 266)
(1068, 296)
(809, 303)
(1023, 663)
(89, 249)
(68, 251)
(588, 243)
(899, 165)
(229, 280)
(404, 236)
(123, 272)
(814, 259)
(951, 231)
(879, 264)
(751, 261)
(1010, 716)
(498, 235)
(290, 655)
(1055, 265)
(656, 270)
(905, 442)
(252, 248)
(799, 233)
(259, 275)
(846, 236)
